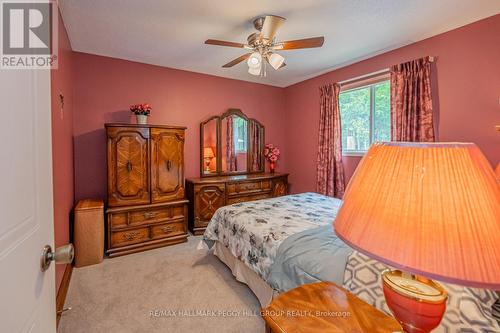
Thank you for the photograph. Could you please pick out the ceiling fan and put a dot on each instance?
(263, 45)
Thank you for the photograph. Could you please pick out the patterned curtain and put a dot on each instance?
(330, 172)
(411, 101)
(230, 151)
(255, 146)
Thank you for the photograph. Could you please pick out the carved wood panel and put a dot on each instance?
(127, 237)
(280, 187)
(128, 174)
(209, 198)
(167, 164)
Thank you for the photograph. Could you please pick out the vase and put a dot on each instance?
(272, 166)
(142, 119)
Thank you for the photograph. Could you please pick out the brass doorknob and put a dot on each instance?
(63, 255)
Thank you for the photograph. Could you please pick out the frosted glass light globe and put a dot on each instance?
(254, 60)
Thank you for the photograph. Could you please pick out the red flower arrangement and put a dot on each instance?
(271, 153)
(141, 109)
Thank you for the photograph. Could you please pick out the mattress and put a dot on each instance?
(253, 231)
(243, 274)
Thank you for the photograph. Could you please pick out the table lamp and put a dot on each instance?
(431, 210)
(208, 155)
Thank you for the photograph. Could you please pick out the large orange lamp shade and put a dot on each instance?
(433, 211)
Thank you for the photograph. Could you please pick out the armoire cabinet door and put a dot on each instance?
(167, 164)
(128, 172)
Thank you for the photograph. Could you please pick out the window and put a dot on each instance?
(365, 115)
(240, 135)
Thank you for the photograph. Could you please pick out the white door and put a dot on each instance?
(27, 296)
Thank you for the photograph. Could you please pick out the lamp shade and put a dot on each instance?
(255, 60)
(208, 152)
(431, 209)
(276, 60)
(254, 71)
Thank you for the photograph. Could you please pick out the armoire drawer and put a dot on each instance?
(168, 229)
(128, 237)
(146, 216)
(156, 214)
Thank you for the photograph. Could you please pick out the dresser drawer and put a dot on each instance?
(168, 229)
(246, 198)
(128, 237)
(248, 187)
(145, 216)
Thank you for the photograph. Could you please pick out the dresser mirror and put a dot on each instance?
(230, 144)
(234, 142)
(209, 133)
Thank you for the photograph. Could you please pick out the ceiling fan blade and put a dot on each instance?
(237, 60)
(300, 43)
(224, 43)
(271, 25)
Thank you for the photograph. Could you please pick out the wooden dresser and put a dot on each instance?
(207, 194)
(146, 194)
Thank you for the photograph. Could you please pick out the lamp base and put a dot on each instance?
(208, 160)
(417, 303)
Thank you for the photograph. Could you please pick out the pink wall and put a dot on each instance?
(468, 86)
(62, 143)
(106, 87)
(468, 83)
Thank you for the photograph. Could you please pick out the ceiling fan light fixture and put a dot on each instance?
(255, 60)
(276, 60)
(254, 71)
(262, 44)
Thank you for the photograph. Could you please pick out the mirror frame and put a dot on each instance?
(218, 148)
(262, 146)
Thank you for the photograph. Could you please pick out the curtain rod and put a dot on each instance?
(363, 77)
(373, 74)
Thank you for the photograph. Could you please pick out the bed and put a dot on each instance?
(251, 239)
(273, 245)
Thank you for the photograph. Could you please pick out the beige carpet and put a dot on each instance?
(172, 289)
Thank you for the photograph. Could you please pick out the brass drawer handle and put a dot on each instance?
(167, 229)
(149, 215)
(131, 235)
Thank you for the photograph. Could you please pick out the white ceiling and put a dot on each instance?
(171, 33)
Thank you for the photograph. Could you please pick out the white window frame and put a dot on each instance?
(362, 85)
(235, 138)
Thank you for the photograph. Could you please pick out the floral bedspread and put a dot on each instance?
(254, 230)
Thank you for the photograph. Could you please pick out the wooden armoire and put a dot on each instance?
(146, 192)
